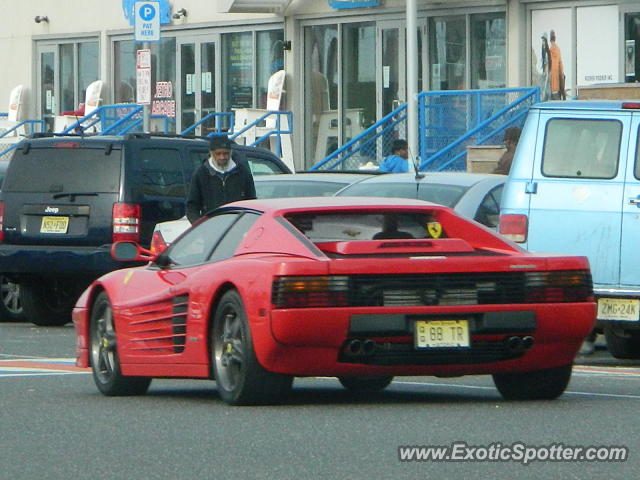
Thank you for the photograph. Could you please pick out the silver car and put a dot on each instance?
(474, 195)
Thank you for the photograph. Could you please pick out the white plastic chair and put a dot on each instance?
(15, 104)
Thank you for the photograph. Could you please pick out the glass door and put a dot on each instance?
(392, 82)
(197, 84)
(48, 86)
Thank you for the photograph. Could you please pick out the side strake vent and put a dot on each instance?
(432, 290)
(159, 328)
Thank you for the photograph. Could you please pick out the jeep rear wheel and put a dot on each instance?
(10, 306)
(48, 303)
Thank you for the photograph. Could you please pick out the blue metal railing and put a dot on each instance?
(448, 122)
(277, 129)
(369, 145)
(32, 124)
(219, 126)
(444, 138)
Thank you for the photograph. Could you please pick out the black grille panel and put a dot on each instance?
(456, 289)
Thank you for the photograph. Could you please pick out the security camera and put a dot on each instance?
(41, 18)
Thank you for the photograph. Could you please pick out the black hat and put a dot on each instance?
(219, 141)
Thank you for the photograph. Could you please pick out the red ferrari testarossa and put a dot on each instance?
(363, 289)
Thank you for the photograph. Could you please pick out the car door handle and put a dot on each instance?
(635, 201)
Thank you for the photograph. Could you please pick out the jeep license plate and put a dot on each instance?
(54, 225)
(619, 309)
(442, 334)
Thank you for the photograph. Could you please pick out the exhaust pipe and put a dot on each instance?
(514, 343)
(527, 342)
(354, 347)
(368, 347)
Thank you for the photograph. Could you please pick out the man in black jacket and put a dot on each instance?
(218, 181)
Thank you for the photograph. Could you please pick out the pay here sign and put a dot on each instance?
(147, 21)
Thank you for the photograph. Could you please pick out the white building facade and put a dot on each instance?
(345, 61)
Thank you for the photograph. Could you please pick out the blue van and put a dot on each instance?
(574, 188)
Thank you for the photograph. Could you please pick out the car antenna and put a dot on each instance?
(414, 162)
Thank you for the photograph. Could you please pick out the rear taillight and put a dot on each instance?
(1, 221)
(558, 287)
(514, 227)
(158, 245)
(126, 222)
(310, 292)
(631, 105)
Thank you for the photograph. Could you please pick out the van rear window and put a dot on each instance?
(64, 170)
(576, 148)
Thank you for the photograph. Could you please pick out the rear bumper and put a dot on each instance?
(57, 260)
(317, 341)
(619, 292)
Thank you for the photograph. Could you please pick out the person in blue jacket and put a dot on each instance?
(396, 162)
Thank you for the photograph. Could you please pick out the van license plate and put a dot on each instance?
(618, 309)
(54, 225)
(442, 334)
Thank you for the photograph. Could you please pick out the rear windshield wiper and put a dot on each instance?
(73, 195)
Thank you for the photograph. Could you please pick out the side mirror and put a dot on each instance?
(131, 251)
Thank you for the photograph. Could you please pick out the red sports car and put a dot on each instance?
(362, 289)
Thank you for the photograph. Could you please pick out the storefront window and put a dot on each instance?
(269, 59)
(88, 66)
(67, 75)
(448, 53)
(632, 47)
(125, 71)
(163, 78)
(321, 74)
(237, 70)
(359, 75)
(488, 51)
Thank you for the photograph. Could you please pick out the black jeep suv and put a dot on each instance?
(66, 199)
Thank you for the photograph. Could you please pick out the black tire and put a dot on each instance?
(103, 355)
(48, 303)
(537, 385)
(621, 344)
(10, 303)
(240, 378)
(366, 384)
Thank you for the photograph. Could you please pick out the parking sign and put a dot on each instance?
(147, 21)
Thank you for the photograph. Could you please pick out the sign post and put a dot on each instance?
(146, 29)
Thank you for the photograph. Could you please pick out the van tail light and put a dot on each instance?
(1, 221)
(158, 245)
(126, 222)
(514, 227)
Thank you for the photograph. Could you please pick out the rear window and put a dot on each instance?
(575, 148)
(366, 226)
(76, 170)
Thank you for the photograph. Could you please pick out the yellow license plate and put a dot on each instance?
(442, 334)
(54, 225)
(618, 309)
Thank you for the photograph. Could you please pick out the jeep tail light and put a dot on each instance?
(310, 292)
(1, 221)
(126, 222)
(514, 227)
(158, 245)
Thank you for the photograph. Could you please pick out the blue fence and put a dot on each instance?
(448, 122)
